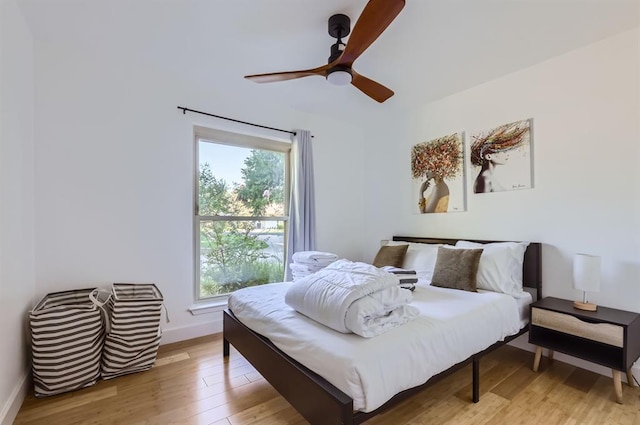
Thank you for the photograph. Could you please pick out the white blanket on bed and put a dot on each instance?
(452, 326)
(352, 297)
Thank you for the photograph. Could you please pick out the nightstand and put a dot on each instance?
(608, 337)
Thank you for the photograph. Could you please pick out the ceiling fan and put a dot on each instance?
(374, 19)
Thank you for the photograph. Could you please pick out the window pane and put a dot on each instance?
(237, 254)
(237, 181)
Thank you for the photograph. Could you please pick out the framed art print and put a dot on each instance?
(501, 158)
(438, 174)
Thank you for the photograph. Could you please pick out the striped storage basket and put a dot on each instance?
(132, 341)
(67, 334)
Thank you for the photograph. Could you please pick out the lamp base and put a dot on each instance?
(585, 306)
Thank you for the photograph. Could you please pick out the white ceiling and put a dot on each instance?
(434, 48)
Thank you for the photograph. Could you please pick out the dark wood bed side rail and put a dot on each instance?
(313, 397)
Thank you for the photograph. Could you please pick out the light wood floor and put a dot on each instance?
(191, 383)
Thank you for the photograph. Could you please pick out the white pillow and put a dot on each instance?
(420, 257)
(500, 268)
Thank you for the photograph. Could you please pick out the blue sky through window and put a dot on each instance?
(225, 161)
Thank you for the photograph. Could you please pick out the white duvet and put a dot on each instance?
(352, 297)
(452, 326)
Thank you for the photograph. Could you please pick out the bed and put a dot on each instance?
(322, 402)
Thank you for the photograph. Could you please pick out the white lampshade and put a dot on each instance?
(586, 272)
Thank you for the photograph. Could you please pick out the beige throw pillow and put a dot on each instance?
(390, 255)
(457, 269)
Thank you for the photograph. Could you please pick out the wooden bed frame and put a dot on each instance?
(316, 399)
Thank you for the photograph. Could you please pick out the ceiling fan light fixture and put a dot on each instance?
(376, 16)
(339, 77)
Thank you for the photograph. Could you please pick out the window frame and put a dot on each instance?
(222, 137)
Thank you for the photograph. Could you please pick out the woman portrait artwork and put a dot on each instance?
(492, 151)
(432, 163)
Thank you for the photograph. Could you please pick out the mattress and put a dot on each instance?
(523, 307)
(452, 326)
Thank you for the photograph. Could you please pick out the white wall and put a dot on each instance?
(16, 204)
(585, 107)
(114, 172)
(114, 176)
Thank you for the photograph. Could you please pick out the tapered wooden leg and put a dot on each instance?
(225, 348)
(617, 384)
(630, 380)
(536, 359)
(550, 355)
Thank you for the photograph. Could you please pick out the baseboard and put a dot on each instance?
(11, 408)
(170, 335)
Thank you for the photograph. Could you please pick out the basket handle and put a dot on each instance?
(94, 296)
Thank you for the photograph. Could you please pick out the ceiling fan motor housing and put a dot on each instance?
(339, 26)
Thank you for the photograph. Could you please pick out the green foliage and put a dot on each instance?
(215, 196)
(232, 254)
(255, 274)
(263, 170)
(235, 258)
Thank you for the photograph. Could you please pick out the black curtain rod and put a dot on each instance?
(184, 111)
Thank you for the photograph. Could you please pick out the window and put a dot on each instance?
(241, 209)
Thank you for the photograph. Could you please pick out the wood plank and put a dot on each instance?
(226, 374)
(446, 410)
(582, 380)
(171, 359)
(175, 391)
(491, 377)
(253, 376)
(401, 414)
(77, 399)
(515, 383)
(480, 413)
(231, 402)
(258, 413)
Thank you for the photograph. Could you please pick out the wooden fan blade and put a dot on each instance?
(283, 76)
(374, 90)
(375, 18)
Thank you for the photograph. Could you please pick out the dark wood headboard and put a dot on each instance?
(531, 269)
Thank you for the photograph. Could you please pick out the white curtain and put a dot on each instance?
(302, 205)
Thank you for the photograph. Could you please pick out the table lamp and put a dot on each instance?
(586, 277)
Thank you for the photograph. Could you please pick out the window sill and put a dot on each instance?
(214, 306)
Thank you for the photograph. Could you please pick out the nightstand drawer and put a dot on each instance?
(601, 332)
